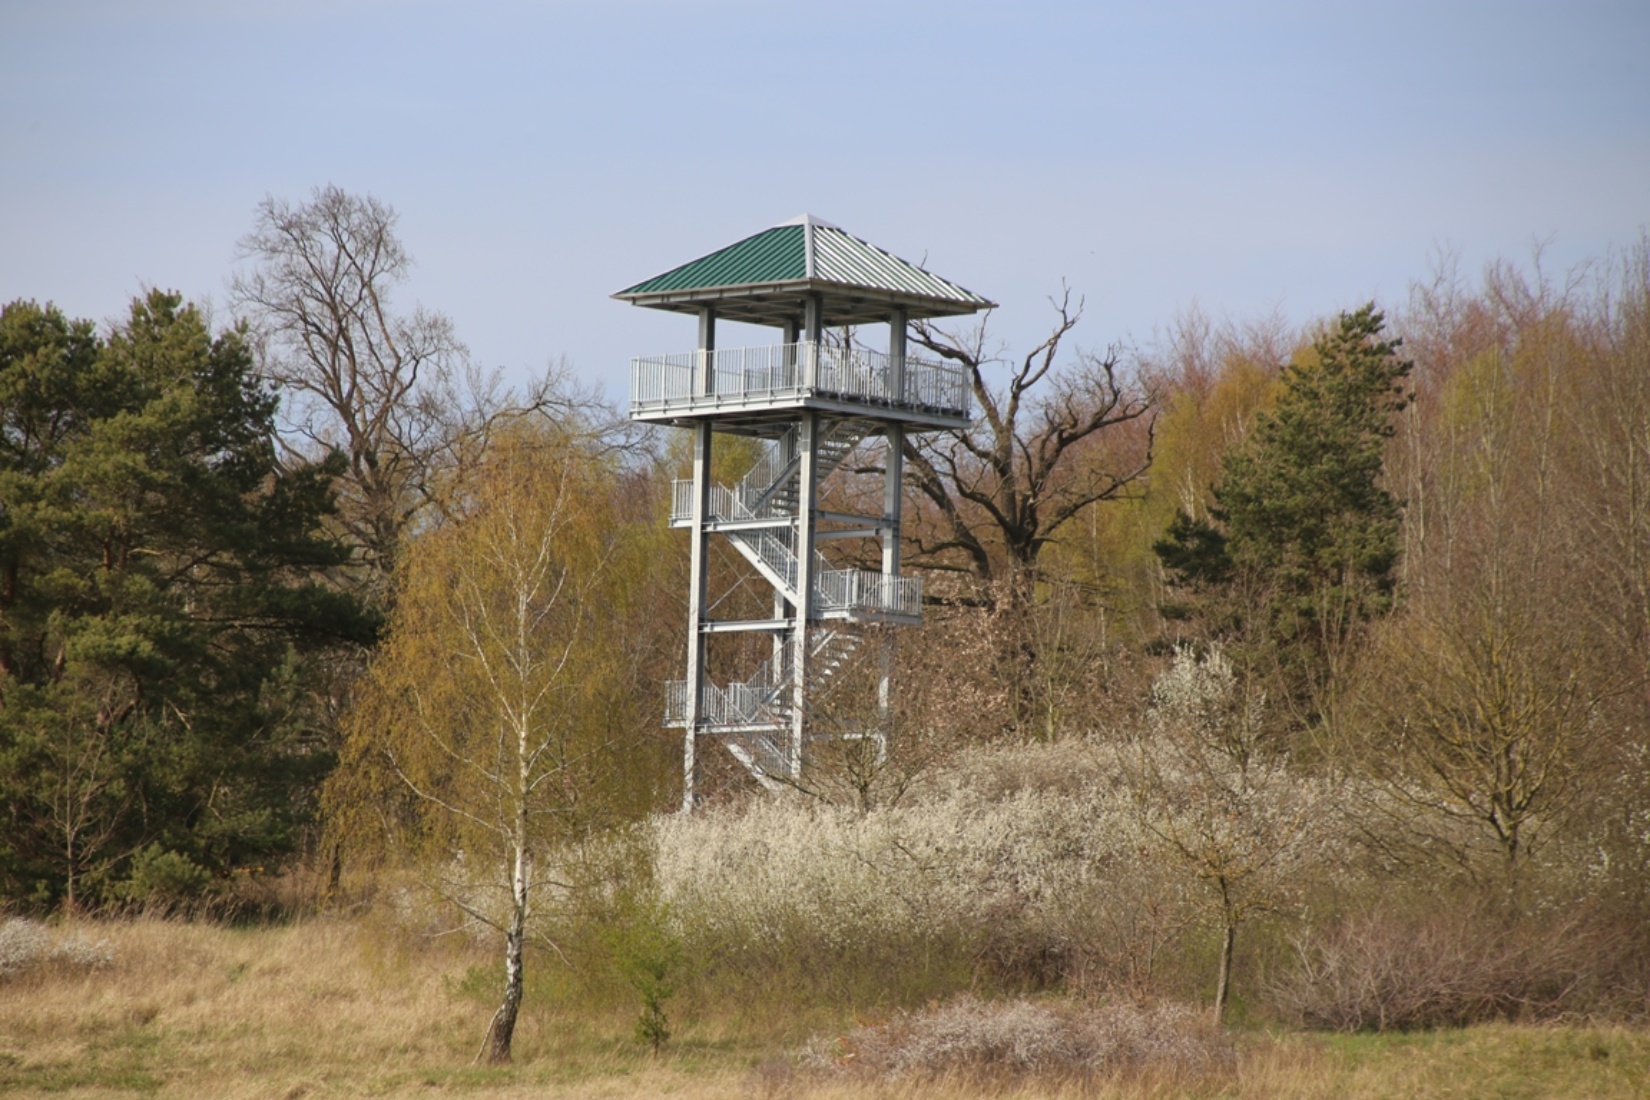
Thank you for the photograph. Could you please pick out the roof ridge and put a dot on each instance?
(808, 220)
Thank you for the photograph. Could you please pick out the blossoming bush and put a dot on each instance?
(27, 944)
(1083, 862)
(1032, 865)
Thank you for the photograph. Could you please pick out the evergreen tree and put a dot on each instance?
(1301, 545)
(161, 606)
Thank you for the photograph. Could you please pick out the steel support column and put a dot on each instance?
(807, 506)
(892, 502)
(698, 573)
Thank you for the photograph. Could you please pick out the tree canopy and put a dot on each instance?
(160, 591)
(1302, 541)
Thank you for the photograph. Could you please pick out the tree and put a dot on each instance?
(393, 392)
(160, 609)
(1303, 538)
(495, 727)
(1004, 488)
(1223, 808)
(1489, 693)
(1044, 449)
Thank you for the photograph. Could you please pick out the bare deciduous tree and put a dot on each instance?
(394, 393)
(1043, 449)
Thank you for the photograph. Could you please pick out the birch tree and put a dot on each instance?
(488, 737)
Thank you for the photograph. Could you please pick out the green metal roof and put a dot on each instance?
(772, 256)
(764, 278)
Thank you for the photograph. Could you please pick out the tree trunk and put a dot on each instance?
(503, 1029)
(504, 1020)
(1223, 983)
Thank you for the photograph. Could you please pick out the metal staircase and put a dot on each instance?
(755, 717)
(764, 505)
(760, 738)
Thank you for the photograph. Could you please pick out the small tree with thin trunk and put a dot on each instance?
(487, 740)
(1234, 817)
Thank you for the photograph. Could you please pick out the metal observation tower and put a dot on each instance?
(802, 406)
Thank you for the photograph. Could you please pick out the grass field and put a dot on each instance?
(333, 1009)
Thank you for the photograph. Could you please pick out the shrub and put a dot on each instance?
(164, 880)
(1380, 970)
(1016, 1038)
(23, 943)
(26, 944)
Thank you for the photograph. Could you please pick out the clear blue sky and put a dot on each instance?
(1248, 156)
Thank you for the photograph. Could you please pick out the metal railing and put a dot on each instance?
(764, 699)
(738, 376)
(834, 589)
(860, 590)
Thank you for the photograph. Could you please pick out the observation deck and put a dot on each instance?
(851, 381)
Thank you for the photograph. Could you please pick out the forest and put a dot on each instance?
(1271, 676)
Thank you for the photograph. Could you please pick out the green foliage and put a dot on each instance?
(163, 879)
(1302, 541)
(648, 955)
(161, 604)
(1302, 498)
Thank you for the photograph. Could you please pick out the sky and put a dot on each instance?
(1248, 158)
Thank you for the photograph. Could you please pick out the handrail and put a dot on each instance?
(737, 375)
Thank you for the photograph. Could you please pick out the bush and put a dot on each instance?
(164, 880)
(23, 943)
(1025, 876)
(26, 944)
(1463, 964)
(978, 1038)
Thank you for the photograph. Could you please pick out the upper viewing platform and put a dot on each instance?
(803, 277)
(923, 392)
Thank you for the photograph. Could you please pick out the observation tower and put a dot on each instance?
(802, 406)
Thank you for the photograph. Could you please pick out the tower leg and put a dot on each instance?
(697, 578)
(807, 504)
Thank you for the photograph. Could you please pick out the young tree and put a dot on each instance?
(496, 725)
(1224, 809)
(1489, 694)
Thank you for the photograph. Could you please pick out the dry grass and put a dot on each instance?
(333, 1009)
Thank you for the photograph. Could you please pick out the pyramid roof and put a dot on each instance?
(765, 279)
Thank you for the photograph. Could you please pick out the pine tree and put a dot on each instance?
(1302, 543)
(161, 607)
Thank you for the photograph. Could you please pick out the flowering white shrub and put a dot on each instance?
(25, 944)
(945, 859)
(1090, 857)
(1199, 699)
